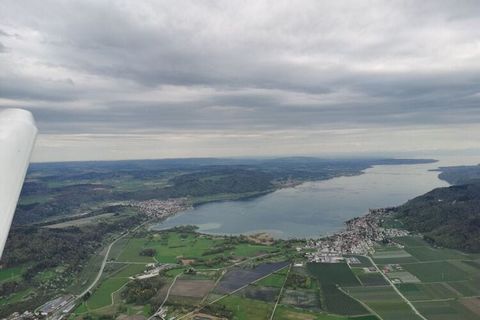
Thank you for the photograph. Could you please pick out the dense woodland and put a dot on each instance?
(460, 174)
(448, 217)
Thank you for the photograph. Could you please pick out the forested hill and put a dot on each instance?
(460, 174)
(448, 217)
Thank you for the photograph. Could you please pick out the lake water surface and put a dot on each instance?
(312, 209)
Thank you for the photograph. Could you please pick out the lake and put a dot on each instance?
(312, 209)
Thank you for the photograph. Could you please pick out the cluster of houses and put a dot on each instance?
(359, 237)
(160, 208)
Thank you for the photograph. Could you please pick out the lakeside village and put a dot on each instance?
(160, 209)
(359, 238)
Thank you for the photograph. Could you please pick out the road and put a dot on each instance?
(166, 298)
(229, 294)
(105, 259)
(281, 292)
(396, 289)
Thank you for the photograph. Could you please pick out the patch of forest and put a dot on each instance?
(448, 217)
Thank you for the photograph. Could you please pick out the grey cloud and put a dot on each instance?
(102, 66)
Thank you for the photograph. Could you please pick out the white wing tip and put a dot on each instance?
(16, 115)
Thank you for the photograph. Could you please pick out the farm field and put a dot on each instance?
(445, 310)
(427, 291)
(436, 271)
(371, 278)
(333, 273)
(384, 301)
(289, 313)
(246, 309)
(435, 282)
(275, 280)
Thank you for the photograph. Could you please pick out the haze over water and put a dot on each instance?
(313, 209)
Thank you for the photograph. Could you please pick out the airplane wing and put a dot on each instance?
(17, 136)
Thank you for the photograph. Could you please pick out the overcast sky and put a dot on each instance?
(157, 79)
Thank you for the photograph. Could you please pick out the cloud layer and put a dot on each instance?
(186, 78)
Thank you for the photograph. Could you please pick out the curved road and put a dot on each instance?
(104, 262)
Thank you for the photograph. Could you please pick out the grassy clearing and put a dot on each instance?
(11, 273)
(439, 271)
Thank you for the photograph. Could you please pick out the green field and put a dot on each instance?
(290, 313)
(247, 309)
(427, 291)
(11, 273)
(131, 252)
(437, 271)
(371, 278)
(102, 296)
(384, 301)
(171, 246)
(426, 253)
(275, 280)
(467, 288)
(333, 273)
(337, 302)
(444, 310)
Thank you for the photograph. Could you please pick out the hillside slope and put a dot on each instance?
(448, 217)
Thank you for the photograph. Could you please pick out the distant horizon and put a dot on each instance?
(139, 80)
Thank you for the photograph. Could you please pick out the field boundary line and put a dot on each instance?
(166, 297)
(230, 293)
(396, 290)
(281, 292)
(366, 306)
